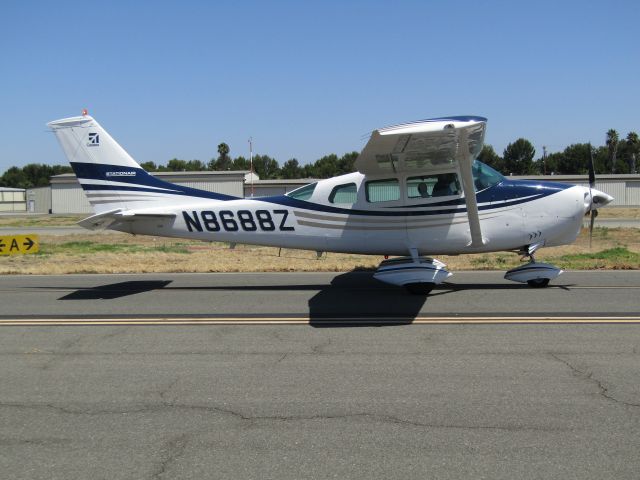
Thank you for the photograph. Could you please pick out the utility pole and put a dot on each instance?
(544, 160)
(251, 162)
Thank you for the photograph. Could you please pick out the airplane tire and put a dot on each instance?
(421, 288)
(538, 282)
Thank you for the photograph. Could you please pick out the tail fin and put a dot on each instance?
(111, 179)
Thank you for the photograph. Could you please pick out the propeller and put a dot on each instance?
(592, 184)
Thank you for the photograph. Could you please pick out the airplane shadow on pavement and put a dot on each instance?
(115, 290)
(352, 299)
(356, 299)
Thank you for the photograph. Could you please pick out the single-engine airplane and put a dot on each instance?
(418, 191)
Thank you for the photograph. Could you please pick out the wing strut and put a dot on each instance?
(465, 159)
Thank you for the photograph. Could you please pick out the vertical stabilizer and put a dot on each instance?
(111, 179)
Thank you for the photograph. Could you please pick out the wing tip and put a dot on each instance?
(462, 119)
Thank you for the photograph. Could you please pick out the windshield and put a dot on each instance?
(484, 176)
(303, 193)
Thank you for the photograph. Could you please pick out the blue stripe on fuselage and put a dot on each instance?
(505, 194)
(137, 179)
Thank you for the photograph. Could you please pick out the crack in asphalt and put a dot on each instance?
(174, 448)
(383, 418)
(40, 442)
(56, 357)
(603, 391)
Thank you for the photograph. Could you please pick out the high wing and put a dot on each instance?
(428, 146)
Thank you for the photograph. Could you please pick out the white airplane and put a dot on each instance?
(418, 191)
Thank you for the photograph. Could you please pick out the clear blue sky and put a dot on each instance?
(174, 79)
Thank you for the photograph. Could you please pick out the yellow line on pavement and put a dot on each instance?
(334, 320)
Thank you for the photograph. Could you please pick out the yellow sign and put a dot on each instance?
(19, 244)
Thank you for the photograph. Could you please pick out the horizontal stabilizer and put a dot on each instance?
(106, 219)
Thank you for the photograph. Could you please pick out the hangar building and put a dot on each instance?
(12, 200)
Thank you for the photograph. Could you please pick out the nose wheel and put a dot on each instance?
(538, 282)
(535, 274)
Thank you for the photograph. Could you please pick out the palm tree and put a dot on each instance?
(633, 143)
(223, 162)
(612, 144)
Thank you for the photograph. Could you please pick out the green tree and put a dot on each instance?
(326, 166)
(32, 175)
(265, 167)
(633, 150)
(575, 159)
(15, 177)
(612, 145)
(307, 171)
(149, 166)
(553, 162)
(518, 157)
(195, 166)
(489, 156)
(346, 163)
(241, 163)
(291, 169)
(175, 165)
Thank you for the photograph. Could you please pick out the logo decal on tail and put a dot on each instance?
(94, 140)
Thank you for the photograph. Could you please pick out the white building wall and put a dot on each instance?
(12, 200)
(69, 198)
(632, 192)
(39, 199)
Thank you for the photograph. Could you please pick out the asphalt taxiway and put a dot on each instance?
(313, 298)
(450, 386)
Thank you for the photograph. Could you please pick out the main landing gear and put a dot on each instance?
(534, 274)
(417, 274)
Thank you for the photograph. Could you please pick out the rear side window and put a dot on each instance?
(383, 190)
(440, 185)
(344, 193)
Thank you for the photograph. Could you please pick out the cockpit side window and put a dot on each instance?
(383, 190)
(428, 186)
(303, 193)
(347, 193)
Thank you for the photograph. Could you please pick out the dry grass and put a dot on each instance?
(40, 220)
(121, 253)
(622, 212)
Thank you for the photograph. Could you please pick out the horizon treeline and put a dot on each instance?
(518, 158)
